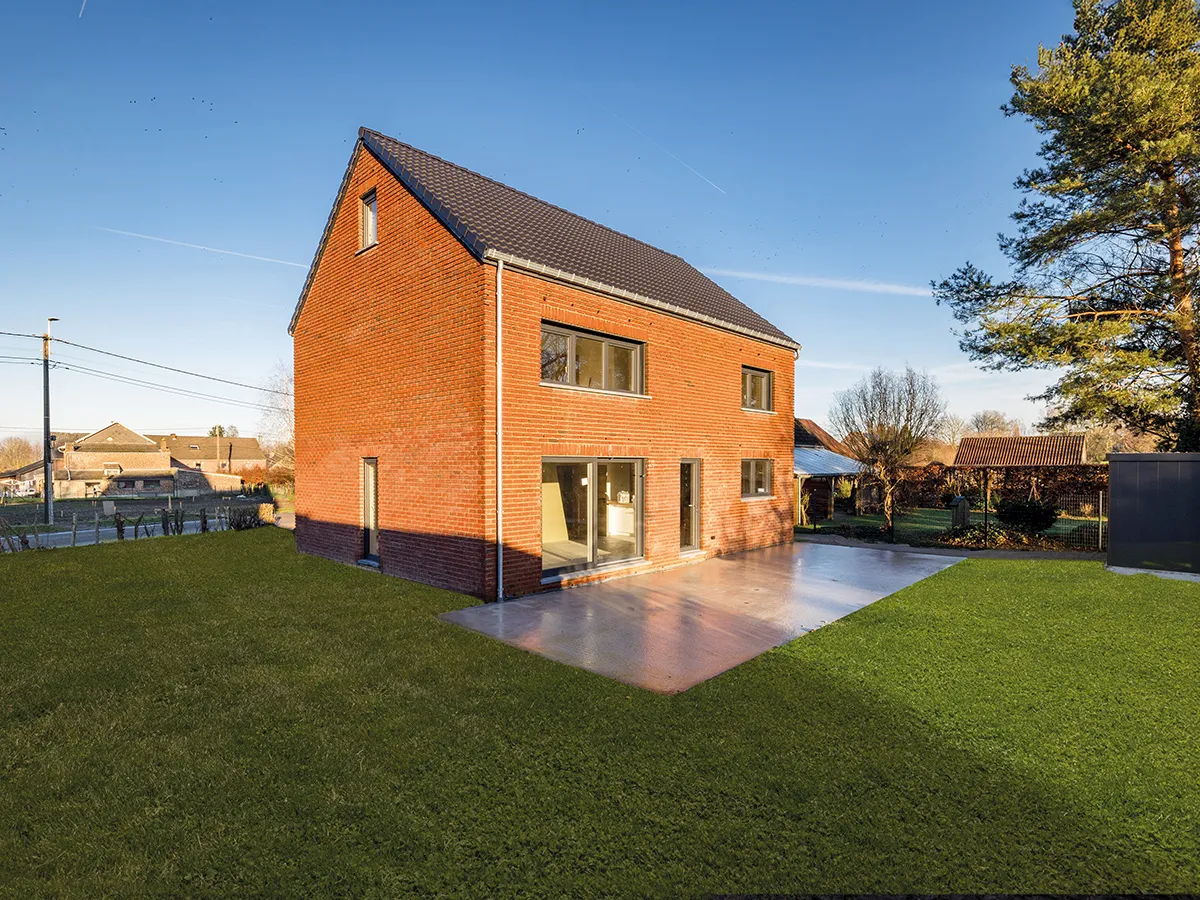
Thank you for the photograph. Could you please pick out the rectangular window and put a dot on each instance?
(151, 483)
(756, 389)
(756, 478)
(370, 220)
(592, 361)
(591, 512)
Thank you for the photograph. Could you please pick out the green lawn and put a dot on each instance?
(218, 715)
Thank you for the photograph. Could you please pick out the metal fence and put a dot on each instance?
(1081, 525)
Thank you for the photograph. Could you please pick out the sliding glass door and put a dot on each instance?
(591, 512)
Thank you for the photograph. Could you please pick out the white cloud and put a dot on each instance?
(161, 240)
(837, 284)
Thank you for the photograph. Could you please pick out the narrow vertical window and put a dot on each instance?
(689, 505)
(370, 221)
(370, 488)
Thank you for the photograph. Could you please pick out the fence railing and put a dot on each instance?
(1081, 525)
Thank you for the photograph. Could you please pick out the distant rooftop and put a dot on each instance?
(1033, 451)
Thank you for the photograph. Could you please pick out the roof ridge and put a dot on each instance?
(508, 187)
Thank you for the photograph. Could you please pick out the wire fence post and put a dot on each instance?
(1100, 521)
(74, 527)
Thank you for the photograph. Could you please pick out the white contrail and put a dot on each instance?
(839, 284)
(670, 154)
(150, 237)
(82, 8)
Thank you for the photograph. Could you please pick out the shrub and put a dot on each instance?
(241, 518)
(1029, 516)
(997, 538)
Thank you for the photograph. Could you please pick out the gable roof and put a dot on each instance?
(1021, 452)
(807, 433)
(180, 447)
(114, 435)
(497, 222)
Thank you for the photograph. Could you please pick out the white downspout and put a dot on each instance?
(499, 429)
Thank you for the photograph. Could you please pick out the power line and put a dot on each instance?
(253, 387)
(150, 385)
(19, 334)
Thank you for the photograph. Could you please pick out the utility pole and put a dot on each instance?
(47, 463)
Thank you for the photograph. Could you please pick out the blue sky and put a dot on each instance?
(823, 161)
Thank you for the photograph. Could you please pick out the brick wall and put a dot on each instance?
(693, 376)
(395, 359)
(388, 364)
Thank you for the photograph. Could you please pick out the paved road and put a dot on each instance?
(86, 535)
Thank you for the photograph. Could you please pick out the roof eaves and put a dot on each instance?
(631, 297)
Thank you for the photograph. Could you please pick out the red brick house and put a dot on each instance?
(498, 396)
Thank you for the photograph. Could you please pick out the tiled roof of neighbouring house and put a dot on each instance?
(490, 217)
(1021, 452)
(808, 433)
(180, 447)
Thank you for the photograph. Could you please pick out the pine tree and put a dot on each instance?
(1105, 260)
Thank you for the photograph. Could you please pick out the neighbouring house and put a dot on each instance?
(819, 462)
(498, 396)
(23, 481)
(118, 461)
(213, 454)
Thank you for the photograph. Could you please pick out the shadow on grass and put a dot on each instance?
(219, 714)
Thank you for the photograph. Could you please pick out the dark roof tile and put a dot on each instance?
(489, 216)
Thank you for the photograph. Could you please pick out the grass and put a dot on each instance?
(218, 715)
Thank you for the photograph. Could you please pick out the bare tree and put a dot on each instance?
(277, 428)
(952, 429)
(884, 418)
(994, 422)
(17, 451)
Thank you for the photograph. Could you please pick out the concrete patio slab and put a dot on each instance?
(667, 631)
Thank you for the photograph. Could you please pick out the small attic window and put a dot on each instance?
(193, 446)
(370, 220)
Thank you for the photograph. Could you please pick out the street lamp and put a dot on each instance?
(47, 465)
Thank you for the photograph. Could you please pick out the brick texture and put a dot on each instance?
(395, 359)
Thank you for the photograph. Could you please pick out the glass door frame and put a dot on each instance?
(593, 464)
(370, 507)
(698, 541)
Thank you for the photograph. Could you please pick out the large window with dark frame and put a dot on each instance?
(756, 389)
(588, 360)
(591, 512)
(756, 478)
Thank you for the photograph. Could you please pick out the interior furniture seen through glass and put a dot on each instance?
(591, 512)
